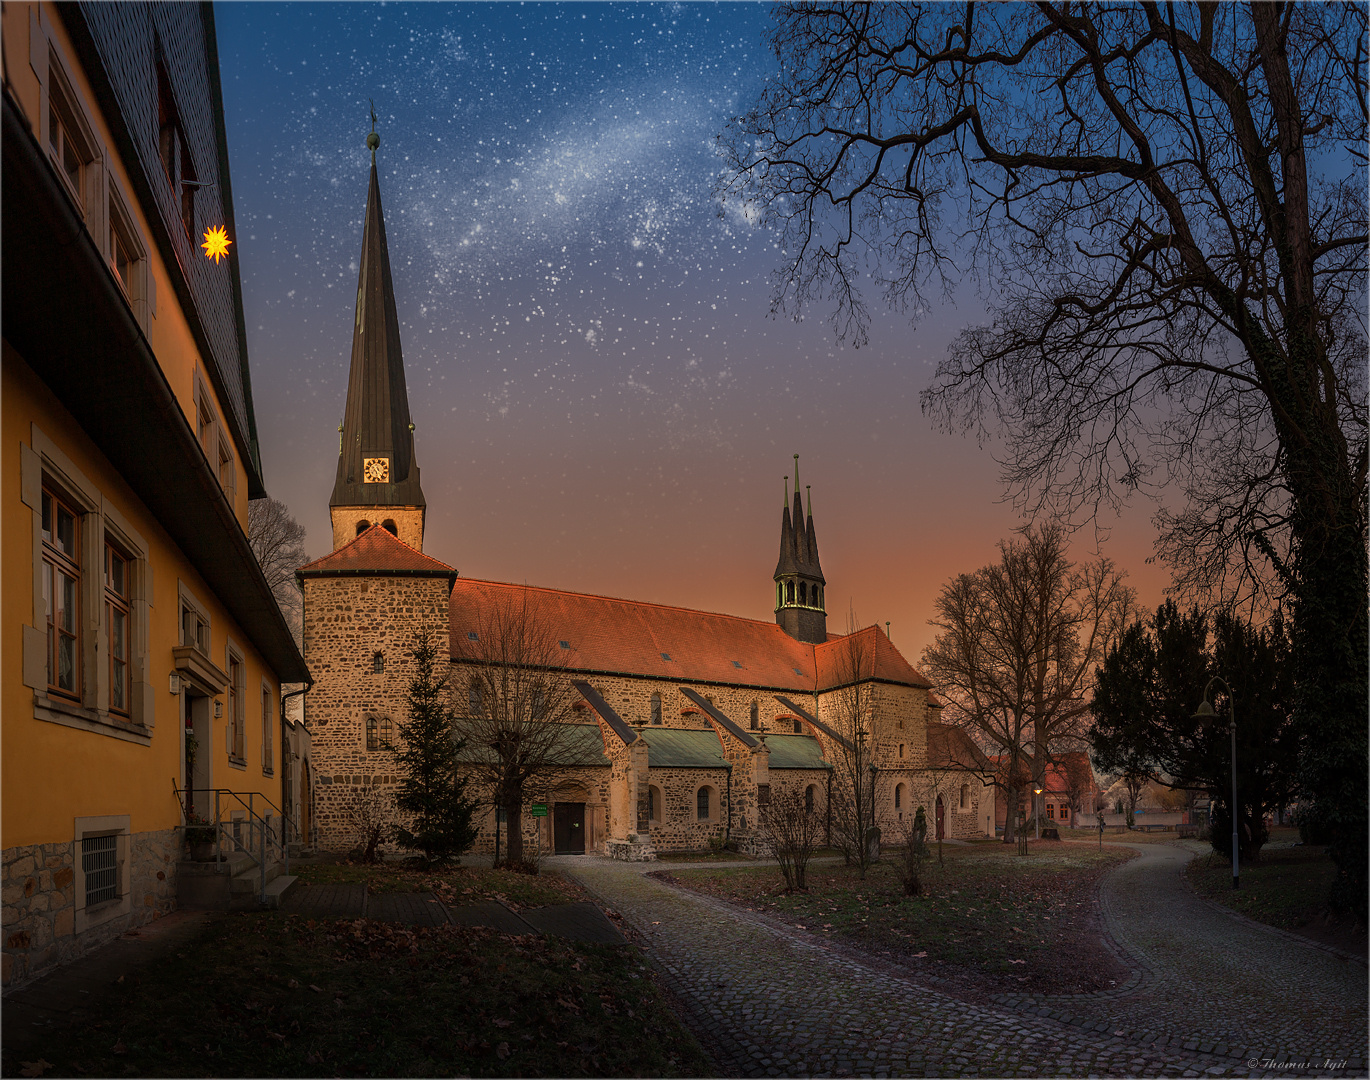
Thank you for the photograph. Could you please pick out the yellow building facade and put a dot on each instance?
(143, 653)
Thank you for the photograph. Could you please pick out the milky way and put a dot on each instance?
(603, 400)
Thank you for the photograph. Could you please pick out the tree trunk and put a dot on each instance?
(513, 820)
(1011, 797)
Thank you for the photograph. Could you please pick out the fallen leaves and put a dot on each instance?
(34, 1068)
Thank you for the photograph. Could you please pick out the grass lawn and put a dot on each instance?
(1287, 888)
(271, 994)
(992, 918)
(457, 885)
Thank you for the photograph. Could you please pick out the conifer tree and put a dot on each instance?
(430, 791)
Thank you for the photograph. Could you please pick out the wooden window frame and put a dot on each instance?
(58, 562)
(234, 705)
(118, 604)
(268, 730)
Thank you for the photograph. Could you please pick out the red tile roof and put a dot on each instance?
(630, 637)
(951, 748)
(377, 549)
(877, 656)
(1057, 782)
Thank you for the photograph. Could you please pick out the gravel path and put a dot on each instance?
(770, 1003)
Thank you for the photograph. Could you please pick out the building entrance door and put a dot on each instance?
(940, 831)
(568, 828)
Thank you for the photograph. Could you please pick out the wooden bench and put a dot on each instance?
(1153, 827)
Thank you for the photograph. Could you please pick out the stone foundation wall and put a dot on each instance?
(38, 888)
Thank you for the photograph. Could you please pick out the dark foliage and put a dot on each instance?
(1152, 682)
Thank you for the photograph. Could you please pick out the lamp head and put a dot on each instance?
(1037, 791)
(1204, 714)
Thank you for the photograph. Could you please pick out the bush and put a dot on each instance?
(1312, 830)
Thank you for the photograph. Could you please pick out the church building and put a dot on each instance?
(682, 725)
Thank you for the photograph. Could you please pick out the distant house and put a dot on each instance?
(1056, 793)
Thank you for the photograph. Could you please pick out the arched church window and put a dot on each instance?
(539, 704)
(653, 803)
(898, 796)
(789, 592)
(372, 734)
(387, 732)
(965, 796)
(362, 526)
(474, 700)
(817, 597)
(798, 728)
(656, 708)
(808, 799)
(389, 526)
(377, 663)
(803, 593)
(756, 717)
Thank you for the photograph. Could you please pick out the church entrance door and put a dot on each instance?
(941, 832)
(568, 828)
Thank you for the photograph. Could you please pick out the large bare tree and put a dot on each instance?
(851, 712)
(513, 704)
(1164, 206)
(277, 540)
(1018, 645)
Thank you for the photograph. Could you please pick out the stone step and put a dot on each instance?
(278, 888)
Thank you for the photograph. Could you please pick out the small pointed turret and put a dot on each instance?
(799, 581)
(378, 476)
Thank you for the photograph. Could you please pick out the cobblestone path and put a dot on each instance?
(768, 1003)
(1221, 983)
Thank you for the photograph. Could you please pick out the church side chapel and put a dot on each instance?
(674, 728)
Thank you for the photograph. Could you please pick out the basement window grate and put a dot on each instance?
(100, 863)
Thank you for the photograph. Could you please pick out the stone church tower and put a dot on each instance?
(378, 476)
(799, 581)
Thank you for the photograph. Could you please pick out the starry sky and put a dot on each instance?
(603, 400)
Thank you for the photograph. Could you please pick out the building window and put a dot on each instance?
(1051, 811)
(62, 593)
(789, 592)
(373, 737)
(702, 804)
(268, 742)
(898, 796)
(965, 796)
(656, 708)
(69, 142)
(378, 663)
(100, 863)
(206, 430)
(808, 799)
(194, 627)
(901, 750)
(474, 699)
(756, 717)
(803, 593)
(175, 154)
(362, 526)
(390, 527)
(226, 472)
(117, 625)
(539, 704)
(798, 728)
(235, 709)
(653, 803)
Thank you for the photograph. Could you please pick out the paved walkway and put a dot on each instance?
(781, 1003)
(1206, 977)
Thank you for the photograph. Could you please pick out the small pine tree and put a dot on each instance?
(430, 791)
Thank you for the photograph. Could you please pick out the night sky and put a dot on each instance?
(603, 400)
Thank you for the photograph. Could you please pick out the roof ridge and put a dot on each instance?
(635, 603)
(390, 537)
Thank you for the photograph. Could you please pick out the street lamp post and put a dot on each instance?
(1037, 810)
(1205, 714)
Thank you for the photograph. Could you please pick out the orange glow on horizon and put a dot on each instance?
(216, 243)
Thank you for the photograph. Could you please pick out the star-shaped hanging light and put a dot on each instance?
(216, 244)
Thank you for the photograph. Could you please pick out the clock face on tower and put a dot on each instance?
(376, 470)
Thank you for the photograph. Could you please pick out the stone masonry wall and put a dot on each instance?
(678, 827)
(38, 888)
(347, 620)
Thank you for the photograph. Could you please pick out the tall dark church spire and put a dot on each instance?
(799, 581)
(378, 476)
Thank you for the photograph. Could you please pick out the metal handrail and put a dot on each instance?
(280, 839)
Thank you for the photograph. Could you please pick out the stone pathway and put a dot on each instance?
(1213, 982)
(773, 1003)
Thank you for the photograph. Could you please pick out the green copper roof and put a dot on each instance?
(674, 748)
(578, 744)
(795, 752)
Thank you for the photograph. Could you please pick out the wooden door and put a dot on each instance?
(568, 828)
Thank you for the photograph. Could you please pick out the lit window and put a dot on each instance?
(268, 747)
(235, 708)
(62, 593)
(117, 628)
